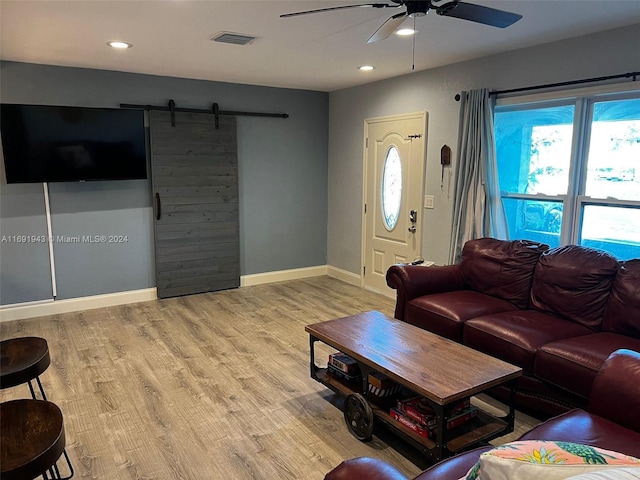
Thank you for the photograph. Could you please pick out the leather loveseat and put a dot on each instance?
(611, 422)
(556, 313)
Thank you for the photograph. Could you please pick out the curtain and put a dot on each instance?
(477, 206)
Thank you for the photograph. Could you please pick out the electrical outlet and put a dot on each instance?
(428, 201)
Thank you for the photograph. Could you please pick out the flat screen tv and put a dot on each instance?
(67, 144)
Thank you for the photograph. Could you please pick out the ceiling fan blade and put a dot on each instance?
(479, 14)
(319, 10)
(388, 27)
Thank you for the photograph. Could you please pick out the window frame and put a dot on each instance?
(575, 200)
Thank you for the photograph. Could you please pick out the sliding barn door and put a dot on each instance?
(195, 187)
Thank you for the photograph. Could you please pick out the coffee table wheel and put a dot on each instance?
(359, 416)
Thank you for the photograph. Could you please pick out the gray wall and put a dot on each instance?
(24, 267)
(283, 185)
(606, 53)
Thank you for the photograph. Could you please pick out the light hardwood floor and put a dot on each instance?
(206, 386)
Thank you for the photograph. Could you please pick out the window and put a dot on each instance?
(569, 171)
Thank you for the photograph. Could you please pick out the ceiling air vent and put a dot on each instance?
(233, 38)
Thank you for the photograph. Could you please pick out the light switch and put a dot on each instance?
(428, 201)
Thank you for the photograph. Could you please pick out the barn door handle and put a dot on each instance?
(158, 207)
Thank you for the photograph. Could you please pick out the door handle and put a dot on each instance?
(412, 229)
(413, 216)
(158, 207)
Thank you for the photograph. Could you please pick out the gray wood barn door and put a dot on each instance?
(195, 187)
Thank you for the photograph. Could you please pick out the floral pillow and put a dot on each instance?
(549, 460)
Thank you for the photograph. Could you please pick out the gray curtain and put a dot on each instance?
(477, 207)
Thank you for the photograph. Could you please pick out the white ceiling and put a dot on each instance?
(316, 52)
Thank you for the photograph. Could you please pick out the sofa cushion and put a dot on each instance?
(547, 459)
(500, 268)
(574, 282)
(583, 427)
(444, 313)
(573, 363)
(516, 336)
(623, 312)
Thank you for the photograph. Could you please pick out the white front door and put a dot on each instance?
(394, 186)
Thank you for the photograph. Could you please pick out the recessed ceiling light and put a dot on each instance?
(405, 31)
(366, 68)
(121, 45)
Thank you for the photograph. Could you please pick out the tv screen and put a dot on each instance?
(65, 144)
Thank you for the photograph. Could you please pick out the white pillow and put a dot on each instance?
(630, 473)
(548, 460)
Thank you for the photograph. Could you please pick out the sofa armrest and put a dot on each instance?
(455, 467)
(615, 394)
(413, 281)
(364, 468)
(579, 426)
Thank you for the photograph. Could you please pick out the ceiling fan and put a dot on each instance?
(455, 8)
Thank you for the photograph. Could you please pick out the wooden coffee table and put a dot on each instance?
(441, 371)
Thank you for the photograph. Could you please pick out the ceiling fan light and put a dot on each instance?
(119, 45)
(405, 32)
(366, 68)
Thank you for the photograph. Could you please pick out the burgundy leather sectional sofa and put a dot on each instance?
(558, 314)
(610, 422)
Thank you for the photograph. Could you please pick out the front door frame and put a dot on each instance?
(365, 153)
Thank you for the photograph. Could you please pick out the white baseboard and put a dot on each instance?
(356, 280)
(387, 293)
(282, 275)
(53, 307)
(345, 276)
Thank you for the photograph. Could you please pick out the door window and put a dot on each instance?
(391, 188)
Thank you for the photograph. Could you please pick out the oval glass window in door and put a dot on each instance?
(391, 188)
